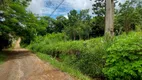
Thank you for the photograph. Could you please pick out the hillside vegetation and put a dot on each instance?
(95, 57)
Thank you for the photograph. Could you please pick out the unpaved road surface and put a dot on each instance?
(23, 65)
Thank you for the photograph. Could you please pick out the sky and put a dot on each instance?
(46, 7)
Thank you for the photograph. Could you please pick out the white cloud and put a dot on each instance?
(122, 1)
(66, 16)
(81, 4)
(39, 6)
(36, 6)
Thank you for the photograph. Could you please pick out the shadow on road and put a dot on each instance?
(16, 53)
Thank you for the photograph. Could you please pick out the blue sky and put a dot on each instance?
(46, 7)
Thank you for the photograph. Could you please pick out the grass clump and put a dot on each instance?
(62, 66)
(2, 57)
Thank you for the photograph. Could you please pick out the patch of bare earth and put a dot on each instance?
(23, 65)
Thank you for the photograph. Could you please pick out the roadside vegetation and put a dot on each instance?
(95, 57)
(3, 57)
(63, 67)
(85, 56)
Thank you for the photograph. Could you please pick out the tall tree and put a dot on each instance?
(129, 15)
(99, 9)
(109, 20)
(78, 25)
(14, 20)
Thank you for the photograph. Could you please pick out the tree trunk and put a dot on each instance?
(80, 37)
(74, 36)
(109, 18)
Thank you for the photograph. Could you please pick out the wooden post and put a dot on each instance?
(109, 18)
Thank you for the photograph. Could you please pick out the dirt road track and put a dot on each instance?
(23, 65)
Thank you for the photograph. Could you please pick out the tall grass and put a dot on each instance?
(62, 66)
(85, 56)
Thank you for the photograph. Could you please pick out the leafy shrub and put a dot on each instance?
(85, 56)
(89, 61)
(124, 60)
(44, 43)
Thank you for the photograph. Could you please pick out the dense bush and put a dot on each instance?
(41, 43)
(124, 58)
(85, 56)
(89, 58)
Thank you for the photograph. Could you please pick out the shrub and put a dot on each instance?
(89, 61)
(44, 43)
(124, 58)
(85, 56)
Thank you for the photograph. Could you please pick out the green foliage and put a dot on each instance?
(60, 24)
(48, 41)
(128, 16)
(78, 26)
(123, 59)
(98, 22)
(18, 22)
(2, 57)
(98, 26)
(99, 7)
(85, 56)
(88, 58)
(18, 8)
(62, 66)
(5, 41)
(14, 20)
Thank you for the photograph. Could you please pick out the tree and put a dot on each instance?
(109, 20)
(15, 21)
(60, 23)
(98, 24)
(129, 15)
(78, 25)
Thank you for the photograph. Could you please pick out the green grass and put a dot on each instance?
(2, 57)
(60, 65)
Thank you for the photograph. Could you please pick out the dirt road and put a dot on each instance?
(23, 65)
